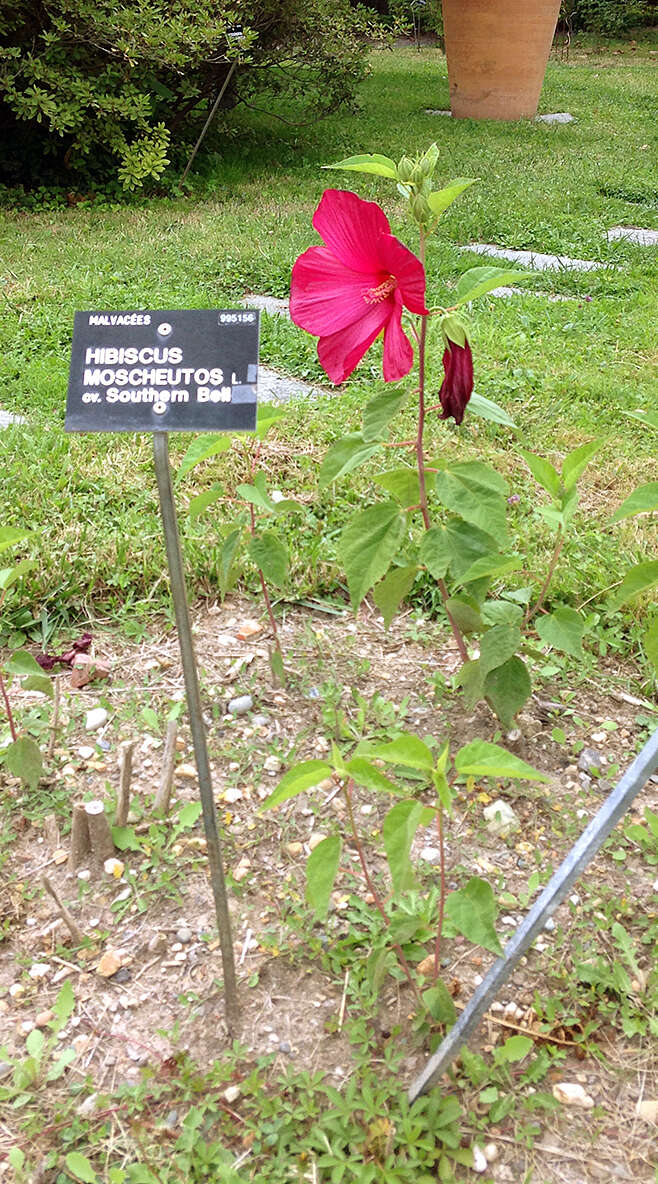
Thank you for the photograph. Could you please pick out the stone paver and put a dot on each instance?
(7, 419)
(537, 260)
(278, 388)
(555, 117)
(269, 304)
(633, 234)
(552, 297)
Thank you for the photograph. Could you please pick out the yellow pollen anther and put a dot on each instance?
(381, 292)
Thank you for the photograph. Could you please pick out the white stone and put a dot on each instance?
(232, 796)
(39, 970)
(85, 752)
(436, 111)
(95, 719)
(491, 1152)
(7, 419)
(552, 297)
(479, 1160)
(269, 304)
(278, 388)
(231, 1094)
(537, 260)
(501, 819)
(633, 234)
(555, 117)
(570, 1093)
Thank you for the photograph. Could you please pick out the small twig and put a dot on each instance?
(245, 946)
(74, 929)
(532, 612)
(12, 726)
(54, 723)
(343, 1002)
(125, 775)
(442, 895)
(163, 795)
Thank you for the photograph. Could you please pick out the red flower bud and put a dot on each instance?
(457, 386)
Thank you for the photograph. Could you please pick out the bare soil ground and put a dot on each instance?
(160, 919)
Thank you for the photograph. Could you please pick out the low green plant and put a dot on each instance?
(405, 916)
(45, 1061)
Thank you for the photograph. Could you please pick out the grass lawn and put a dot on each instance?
(565, 370)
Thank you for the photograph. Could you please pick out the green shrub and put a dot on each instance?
(91, 89)
(608, 17)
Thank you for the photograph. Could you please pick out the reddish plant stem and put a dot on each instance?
(5, 696)
(559, 544)
(372, 887)
(420, 463)
(442, 894)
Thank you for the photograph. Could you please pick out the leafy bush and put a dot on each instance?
(92, 88)
(609, 17)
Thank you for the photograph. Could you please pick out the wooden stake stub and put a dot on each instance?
(100, 835)
(163, 795)
(125, 777)
(80, 841)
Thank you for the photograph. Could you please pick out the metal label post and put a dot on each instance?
(582, 853)
(163, 371)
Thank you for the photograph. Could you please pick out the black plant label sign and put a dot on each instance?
(184, 370)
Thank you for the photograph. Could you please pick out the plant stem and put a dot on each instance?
(420, 463)
(266, 595)
(372, 888)
(12, 726)
(442, 895)
(559, 544)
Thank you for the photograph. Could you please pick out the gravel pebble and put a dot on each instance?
(241, 705)
(184, 935)
(590, 759)
(95, 718)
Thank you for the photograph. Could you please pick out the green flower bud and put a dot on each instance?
(405, 169)
(420, 209)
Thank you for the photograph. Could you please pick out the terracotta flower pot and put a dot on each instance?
(497, 52)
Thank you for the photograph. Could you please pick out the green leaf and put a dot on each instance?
(403, 484)
(440, 199)
(563, 630)
(35, 1042)
(79, 1166)
(201, 449)
(638, 579)
(487, 409)
(189, 815)
(321, 871)
(277, 668)
(477, 281)
(368, 544)
(23, 759)
(270, 556)
(378, 413)
(39, 682)
(515, 1049)
(543, 473)
(65, 1059)
(22, 663)
(497, 645)
(389, 593)
(377, 966)
(296, 780)
(453, 329)
(492, 565)
(124, 838)
(367, 162)
(464, 611)
(398, 833)
(203, 500)
(65, 1003)
(650, 643)
(230, 548)
(407, 752)
(642, 500)
(10, 535)
(10, 575)
(369, 776)
(267, 415)
(435, 553)
(472, 912)
(439, 1004)
(474, 492)
(346, 455)
(501, 612)
(575, 463)
(507, 688)
(256, 494)
(649, 418)
(482, 759)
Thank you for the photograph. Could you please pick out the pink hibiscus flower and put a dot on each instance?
(346, 292)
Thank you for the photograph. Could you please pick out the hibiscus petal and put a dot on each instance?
(351, 228)
(326, 296)
(340, 353)
(398, 353)
(408, 270)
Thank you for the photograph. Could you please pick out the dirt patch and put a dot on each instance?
(348, 681)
